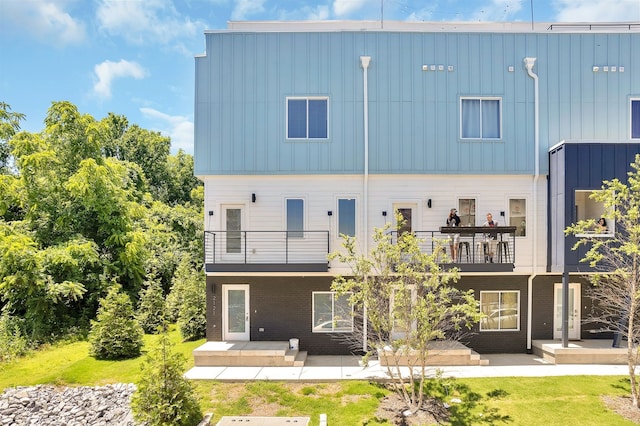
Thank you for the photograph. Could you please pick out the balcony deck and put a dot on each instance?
(307, 251)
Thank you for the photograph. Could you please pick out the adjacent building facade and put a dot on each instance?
(308, 130)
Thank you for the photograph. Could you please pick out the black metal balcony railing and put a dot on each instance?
(306, 251)
(265, 251)
(479, 248)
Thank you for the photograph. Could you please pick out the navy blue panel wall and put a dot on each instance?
(582, 166)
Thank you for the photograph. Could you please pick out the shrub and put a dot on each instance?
(164, 397)
(13, 342)
(115, 334)
(151, 312)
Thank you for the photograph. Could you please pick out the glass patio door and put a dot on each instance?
(574, 311)
(235, 304)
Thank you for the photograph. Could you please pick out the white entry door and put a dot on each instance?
(574, 311)
(235, 305)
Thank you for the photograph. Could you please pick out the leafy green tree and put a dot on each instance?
(115, 334)
(9, 126)
(151, 312)
(86, 203)
(616, 260)
(181, 180)
(409, 303)
(164, 397)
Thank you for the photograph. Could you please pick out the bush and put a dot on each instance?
(164, 397)
(115, 334)
(13, 342)
(151, 312)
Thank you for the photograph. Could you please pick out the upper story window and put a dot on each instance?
(586, 208)
(480, 118)
(635, 118)
(347, 217)
(295, 217)
(307, 118)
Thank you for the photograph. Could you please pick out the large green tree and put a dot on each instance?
(86, 203)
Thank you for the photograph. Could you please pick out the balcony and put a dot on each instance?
(306, 251)
(473, 247)
(266, 251)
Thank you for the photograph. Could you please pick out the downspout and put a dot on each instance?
(364, 61)
(529, 63)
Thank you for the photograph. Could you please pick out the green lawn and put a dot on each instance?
(573, 400)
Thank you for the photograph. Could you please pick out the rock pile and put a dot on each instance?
(72, 406)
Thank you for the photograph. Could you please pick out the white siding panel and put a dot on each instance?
(321, 193)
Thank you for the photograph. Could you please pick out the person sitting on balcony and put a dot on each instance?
(453, 220)
(490, 239)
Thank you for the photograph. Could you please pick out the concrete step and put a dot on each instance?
(301, 357)
(254, 354)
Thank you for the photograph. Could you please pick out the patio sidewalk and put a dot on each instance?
(319, 368)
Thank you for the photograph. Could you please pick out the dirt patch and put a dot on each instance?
(393, 408)
(623, 406)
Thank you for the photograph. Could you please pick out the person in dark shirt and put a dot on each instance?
(453, 220)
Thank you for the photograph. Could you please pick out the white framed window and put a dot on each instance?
(332, 313)
(307, 117)
(634, 110)
(586, 208)
(501, 310)
(480, 118)
(518, 215)
(347, 217)
(295, 217)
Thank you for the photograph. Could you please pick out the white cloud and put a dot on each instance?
(177, 127)
(319, 13)
(107, 71)
(343, 8)
(145, 21)
(46, 21)
(245, 8)
(597, 10)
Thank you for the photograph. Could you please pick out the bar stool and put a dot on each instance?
(503, 250)
(462, 244)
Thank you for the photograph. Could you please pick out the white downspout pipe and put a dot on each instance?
(529, 63)
(364, 61)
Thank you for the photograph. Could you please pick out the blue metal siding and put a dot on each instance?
(414, 115)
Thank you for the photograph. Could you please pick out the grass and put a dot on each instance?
(70, 364)
(569, 400)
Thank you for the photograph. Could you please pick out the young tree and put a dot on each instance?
(616, 259)
(152, 309)
(164, 397)
(408, 304)
(115, 334)
(187, 301)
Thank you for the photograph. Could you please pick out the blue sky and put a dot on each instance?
(136, 57)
